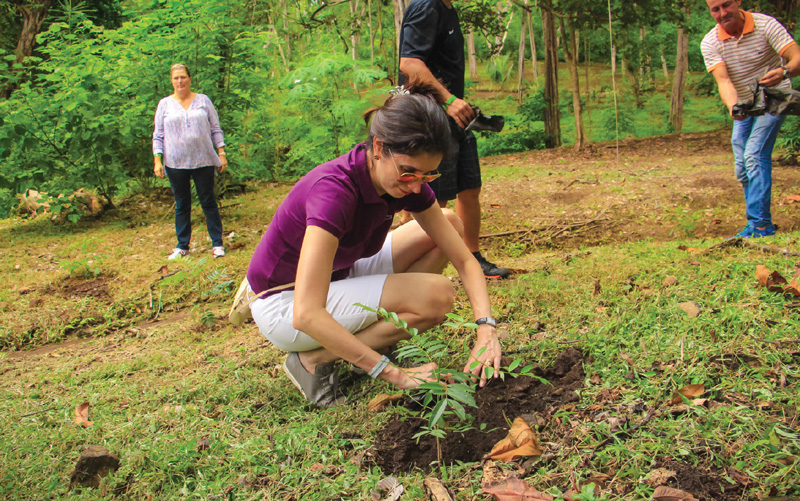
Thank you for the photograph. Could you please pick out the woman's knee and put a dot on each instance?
(440, 298)
(454, 220)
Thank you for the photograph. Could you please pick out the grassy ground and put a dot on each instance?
(198, 409)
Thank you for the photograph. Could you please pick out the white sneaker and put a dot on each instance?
(218, 251)
(176, 253)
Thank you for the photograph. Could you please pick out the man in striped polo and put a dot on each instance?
(742, 48)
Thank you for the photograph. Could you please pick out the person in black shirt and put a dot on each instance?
(432, 50)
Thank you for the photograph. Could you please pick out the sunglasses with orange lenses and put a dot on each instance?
(409, 177)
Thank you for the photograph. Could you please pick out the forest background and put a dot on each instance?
(80, 80)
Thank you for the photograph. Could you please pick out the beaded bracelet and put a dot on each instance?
(382, 363)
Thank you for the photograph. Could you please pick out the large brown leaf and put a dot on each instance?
(772, 280)
(664, 493)
(515, 489)
(520, 442)
(690, 392)
(381, 400)
(82, 415)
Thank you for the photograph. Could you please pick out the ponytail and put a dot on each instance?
(411, 121)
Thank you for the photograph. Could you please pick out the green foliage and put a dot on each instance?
(500, 69)
(87, 266)
(320, 114)
(524, 130)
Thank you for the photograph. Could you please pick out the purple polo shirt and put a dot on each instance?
(339, 197)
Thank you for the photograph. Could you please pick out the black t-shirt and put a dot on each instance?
(432, 34)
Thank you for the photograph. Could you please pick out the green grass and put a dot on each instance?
(158, 390)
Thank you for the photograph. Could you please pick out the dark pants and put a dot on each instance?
(181, 182)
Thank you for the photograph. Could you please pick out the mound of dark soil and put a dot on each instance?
(703, 482)
(78, 287)
(499, 403)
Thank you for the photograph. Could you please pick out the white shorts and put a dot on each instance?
(364, 285)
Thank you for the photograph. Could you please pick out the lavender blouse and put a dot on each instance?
(187, 139)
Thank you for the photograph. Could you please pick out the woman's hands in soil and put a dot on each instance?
(415, 376)
(486, 353)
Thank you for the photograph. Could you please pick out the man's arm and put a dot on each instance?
(775, 76)
(459, 109)
(726, 89)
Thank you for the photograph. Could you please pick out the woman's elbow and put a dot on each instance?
(301, 318)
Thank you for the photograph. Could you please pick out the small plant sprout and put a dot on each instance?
(444, 401)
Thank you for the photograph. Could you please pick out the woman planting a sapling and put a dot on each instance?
(330, 238)
(188, 137)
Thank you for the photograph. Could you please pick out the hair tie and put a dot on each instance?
(400, 90)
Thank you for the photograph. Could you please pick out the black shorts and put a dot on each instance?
(462, 170)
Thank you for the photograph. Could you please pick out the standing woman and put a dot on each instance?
(330, 239)
(188, 140)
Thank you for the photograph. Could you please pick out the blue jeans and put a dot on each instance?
(753, 140)
(181, 182)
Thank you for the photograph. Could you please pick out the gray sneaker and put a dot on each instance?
(320, 388)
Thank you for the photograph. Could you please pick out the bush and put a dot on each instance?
(524, 131)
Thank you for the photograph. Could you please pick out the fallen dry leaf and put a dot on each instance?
(492, 473)
(164, 271)
(691, 308)
(380, 401)
(739, 476)
(670, 281)
(436, 490)
(520, 442)
(681, 408)
(659, 477)
(793, 288)
(82, 415)
(689, 391)
(515, 489)
(791, 199)
(772, 280)
(235, 246)
(669, 494)
(394, 489)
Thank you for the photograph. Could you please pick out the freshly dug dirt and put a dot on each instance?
(499, 403)
(704, 483)
(78, 288)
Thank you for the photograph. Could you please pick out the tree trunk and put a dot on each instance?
(33, 15)
(785, 13)
(644, 62)
(663, 62)
(500, 41)
(355, 28)
(614, 62)
(399, 9)
(679, 81)
(521, 61)
(534, 60)
(371, 34)
(473, 64)
(390, 67)
(571, 53)
(552, 122)
(287, 38)
(587, 60)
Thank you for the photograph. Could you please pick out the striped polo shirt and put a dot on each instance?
(750, 56)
